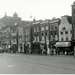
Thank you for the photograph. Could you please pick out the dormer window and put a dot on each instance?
(63, 28)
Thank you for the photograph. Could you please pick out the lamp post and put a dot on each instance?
(16, 24)
(31, 39)
(31, 17)
(10, 36)
(45, 43)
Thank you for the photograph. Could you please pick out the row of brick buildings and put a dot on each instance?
(36, 34)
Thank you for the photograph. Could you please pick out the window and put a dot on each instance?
(51, 27)
(27, 27)
(66, 32)
(42, 34)
(56, 37)
(63, 28)
(62, 39)
(42, 38)
(51, 33)
(74, 11)
(37, 28)
(56, 27)
(37, 38)
(55, 33)
(51, 39)
(27, 36)
(46, 33)
(61, 33)
(19, 37)
(34, 38)
(42, 27)
(34, 28)
(67, 39)
(13, 40)
(71, 32)
(47, 27)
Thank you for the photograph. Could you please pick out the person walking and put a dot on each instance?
(41, 50)
(51, 51)
(48, 51)
(56, 50)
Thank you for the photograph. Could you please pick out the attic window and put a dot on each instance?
(63, 28)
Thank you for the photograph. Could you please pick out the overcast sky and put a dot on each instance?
(40, 9)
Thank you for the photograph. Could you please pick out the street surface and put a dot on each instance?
(36, 64)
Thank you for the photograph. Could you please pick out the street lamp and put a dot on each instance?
(16, 24)
(45, 42)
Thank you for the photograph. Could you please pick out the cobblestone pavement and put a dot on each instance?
(36, 64)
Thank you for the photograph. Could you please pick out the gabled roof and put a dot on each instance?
(69, 18)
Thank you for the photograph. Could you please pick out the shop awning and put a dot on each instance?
(63, 44)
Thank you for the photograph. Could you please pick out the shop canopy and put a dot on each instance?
(63, 44)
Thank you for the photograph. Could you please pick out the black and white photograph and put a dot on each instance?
(37, 36)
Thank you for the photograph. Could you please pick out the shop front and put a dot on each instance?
(63, 47)
(27, 47)
(20, 48)
(44, 45)
(36, 47)
(52, 44)
(14, 48)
